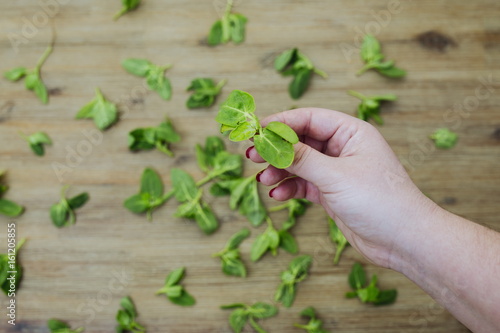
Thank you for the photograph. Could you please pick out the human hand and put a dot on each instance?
(345, 165)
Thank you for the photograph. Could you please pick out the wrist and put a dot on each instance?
(406, 248)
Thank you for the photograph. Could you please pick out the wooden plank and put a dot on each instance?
(66, 269)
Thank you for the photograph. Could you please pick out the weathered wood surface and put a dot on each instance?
(65, 269)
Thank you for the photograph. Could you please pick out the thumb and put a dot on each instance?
(312, 165)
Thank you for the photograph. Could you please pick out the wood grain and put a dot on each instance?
(65, 269)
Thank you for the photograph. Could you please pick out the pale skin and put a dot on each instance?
(346, 165)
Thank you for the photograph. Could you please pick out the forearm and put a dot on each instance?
(458, 263)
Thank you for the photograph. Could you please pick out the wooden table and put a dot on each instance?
(65, 269)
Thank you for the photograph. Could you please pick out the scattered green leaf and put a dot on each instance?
(337, 238)
(174, 291)
(187, 192)
(7, 207)
(244, 196)
(230, 255)
(159, 137)
(295, 63)
(58, 326)
(101, 110)
(297, 272)
(371, 54)
(368, 293)
(275, 145)
(216, 162)
(150, 195)
(243, 314)
(9, 263)
(444, 138)
(204, 93)
(63, 212)
(314, 325)
(231, 27)
(33, 79)
(126, 317)
(37, 141)
(127, 6)
(155, 75)
(370, 106)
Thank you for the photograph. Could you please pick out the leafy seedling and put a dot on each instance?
(368, 293)
(174, 291)
(7, 207)
(37, 142)
(101, 110)
(274, 143)
(297, 272)
(58, 326)
(186, 191)
(204, 93)
(11, 271)
(230, 255)
(270, 240)
(159, 137)
(243, 314)
(126, 318)
(216, 162)
(155, 75)
(244, 196)
(150, 195)
(231, 27)
(295, 63)
(33, 79)
(370, 106)
(295, 207)
(337, 238)
(63, 212)
(444, 138)
(127, 6)
(314, 325)
(371, 54)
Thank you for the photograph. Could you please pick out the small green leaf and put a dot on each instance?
(237, 108)
(215, 35)
(259, 246)
(308, 312)
(206, 219)
(237, 24)
(139, 67)
(102, 111)
(183, 184)
(386, 297)
(237, 238)
(300, 83)
(444, 138)
(242, 132)
(151, 183)
(15, 74)
(262, 310)
(78, 201)
(137, 203)
(392, 72)
(127, 6)
(272, 148)
(175, 277)
(357, 277)
(287, 242)
(370, 48)
(185, 299)
(10, 209)
(54, 324)
(284, 59)
(237, 319)
(283, 131)
(58, 214)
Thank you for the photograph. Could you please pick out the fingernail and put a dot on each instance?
(271, 192)
(257, 177)
(247, 153)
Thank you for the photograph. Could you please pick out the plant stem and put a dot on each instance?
(365, 68)
(356, 94)
(120, 13)
(278, 208)
(44, 57)
(168, 195)
(20, 244)
(340, 249)
(320, 73)
(229, 7)
(221, 84)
